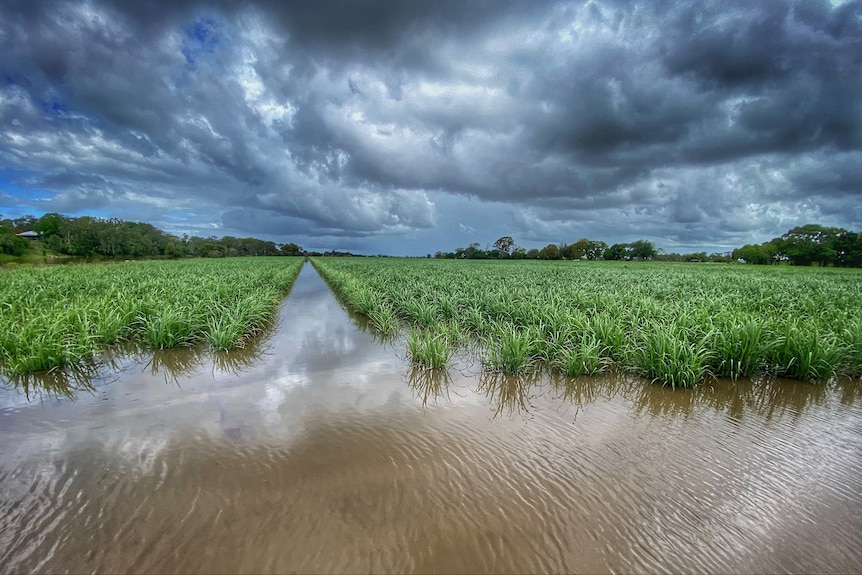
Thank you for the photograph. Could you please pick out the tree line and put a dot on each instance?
(89, 237)
(801, 246)
(505, 248)
(807, 245)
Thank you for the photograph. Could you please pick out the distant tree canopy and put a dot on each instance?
(504, 246)
(807, 245)
(10, 243)
(639, 250)
(582, 249)
(802, 246)
(112, 238)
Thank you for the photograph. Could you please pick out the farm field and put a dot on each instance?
(678, 324)
(62, 316)
(316, 447)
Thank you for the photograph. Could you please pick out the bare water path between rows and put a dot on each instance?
(320, 450)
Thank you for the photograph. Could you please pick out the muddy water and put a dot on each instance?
(319, 450)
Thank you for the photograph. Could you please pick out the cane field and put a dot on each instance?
(57, 316)
(676, 324)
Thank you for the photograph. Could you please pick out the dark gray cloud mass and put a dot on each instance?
(405, 127)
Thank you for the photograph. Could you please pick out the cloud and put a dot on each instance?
(422, 123)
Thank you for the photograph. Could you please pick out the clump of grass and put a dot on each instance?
(664, 357)
(113, 323)
(730, 321)
(170, 328)
(451, 330)
(419, 313)
(742, 348)
(803, 353)
(428, 349)
(611, 334)
(580, 356)
(473, 320)
(384, 320)
(362, 301)
(58, 317)
(224, 333)
(512, 351)
(852, 336)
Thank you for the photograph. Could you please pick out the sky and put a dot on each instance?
(406, 127)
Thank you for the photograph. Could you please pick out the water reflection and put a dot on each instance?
(851, 390)
(57, 382)
(585, 390)
(508, 393)
(391, 341)
(769, 397)
(172, 364)
(429, 383)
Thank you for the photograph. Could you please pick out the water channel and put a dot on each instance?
(319, 450)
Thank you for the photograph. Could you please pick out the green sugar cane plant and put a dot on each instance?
(64, 316)
(804, 353)
(851, 363)
(666, 356)
(582, 354)
(429, 350)
(742, 347)
(511, 350)
(678, 325)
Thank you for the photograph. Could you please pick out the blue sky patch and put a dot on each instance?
(202, 37)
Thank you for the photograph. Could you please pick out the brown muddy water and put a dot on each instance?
(320, 450)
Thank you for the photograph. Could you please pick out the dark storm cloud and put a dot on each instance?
(707, 123)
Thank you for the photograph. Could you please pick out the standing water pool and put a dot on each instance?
(319, 449)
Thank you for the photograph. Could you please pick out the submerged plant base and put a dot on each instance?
(665, 358)
(804, 354)
(384, 320)
(55, 317)
(676, 325)
(428, 349)
(512, 353)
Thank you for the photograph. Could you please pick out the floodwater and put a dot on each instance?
(318, 449)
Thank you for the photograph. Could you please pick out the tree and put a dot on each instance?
(473, 251)
(550, 252)
(81, 238)
(811, 243)
(753, 254)
(10, 243)
(642, 250)
(584, 249)
(504, 246)
(573, 251)
(211, 249)
(173, 249)
(616, 252)
(49, 225)
(595, 249)
(290, 249)
(848, 249)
